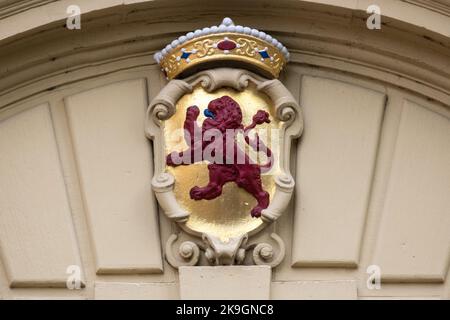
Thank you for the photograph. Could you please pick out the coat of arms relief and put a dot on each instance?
(222, 130)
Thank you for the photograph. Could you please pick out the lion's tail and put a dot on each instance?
(258, 145)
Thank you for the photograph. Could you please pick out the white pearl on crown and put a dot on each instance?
(227, 25)
(231, 29)
(227, 22)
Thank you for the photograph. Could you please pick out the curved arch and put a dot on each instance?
(48, 56)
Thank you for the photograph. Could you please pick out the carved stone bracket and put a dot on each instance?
(268, 251)
(220, 253)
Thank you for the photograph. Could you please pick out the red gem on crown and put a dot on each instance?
(226, 45)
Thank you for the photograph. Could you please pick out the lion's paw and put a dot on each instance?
(169, 160)
(256, 212)
(261, 117)
(192, 112)
(196, 193)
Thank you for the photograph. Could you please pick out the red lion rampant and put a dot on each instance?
(224, 116)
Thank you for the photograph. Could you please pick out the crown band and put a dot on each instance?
(250, 47)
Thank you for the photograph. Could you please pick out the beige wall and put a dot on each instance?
(372, 169)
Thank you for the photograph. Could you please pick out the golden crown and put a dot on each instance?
(225, 44)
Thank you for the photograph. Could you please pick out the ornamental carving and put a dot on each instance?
(222, 129)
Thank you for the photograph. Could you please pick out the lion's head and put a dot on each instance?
(225, 113)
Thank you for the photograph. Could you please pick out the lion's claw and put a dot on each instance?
(192, 112)
(261, 117)
(196, 193)
(256, 212)
(170, 159)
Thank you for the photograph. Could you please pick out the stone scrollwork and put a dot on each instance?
(163, 185)
(163, 106)
(265, 253)
(214, 79)
(187, 254)
(284, 188)
(270, 251)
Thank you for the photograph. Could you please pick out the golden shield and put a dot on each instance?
(228, 215)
